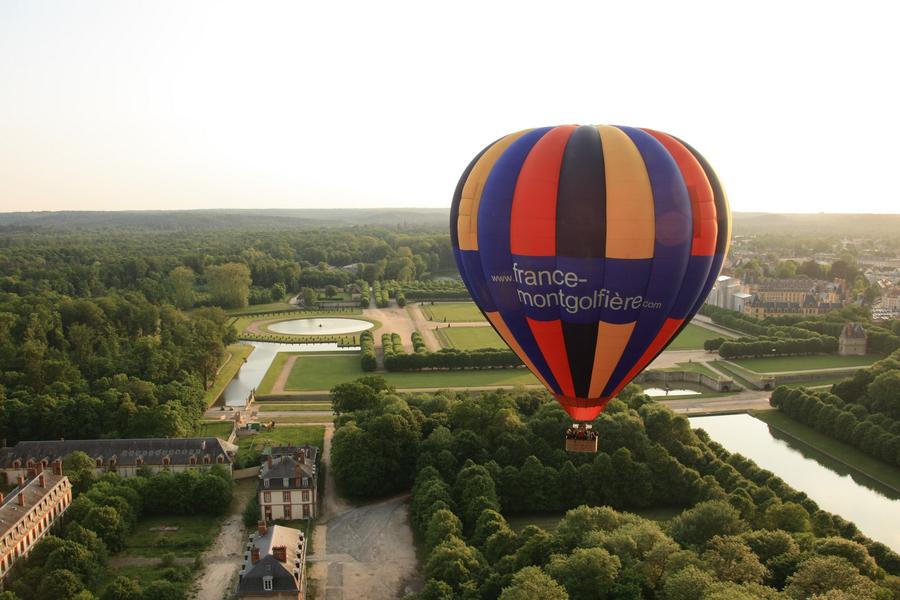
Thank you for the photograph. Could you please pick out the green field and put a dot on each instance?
(877, 469)
(285, 406)
(778, 364)
(237, 353)
(194, 535)
(268, 380)
(260, 308)
(249, 446)
(469, 338)
(219, 429)
(322, 372)
(695, 367)
(452, 312)
(692, 338)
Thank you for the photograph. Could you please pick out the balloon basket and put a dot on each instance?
(581, 437)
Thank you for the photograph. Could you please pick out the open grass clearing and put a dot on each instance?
(290, 407)
(304, 419)
(452, 312)
(777, 364)
(146, 574)
(692, 338)
(260, 308)
(845, 453)
(815, 382)
(738, 374)
(550, 521)
(322, 372)
(237, 353)
(272, 373)
(219, 429)
(250, 446)
(194, 534)
(469, 338)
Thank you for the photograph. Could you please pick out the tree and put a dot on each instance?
(353, 396)
(60, 584)
(820, 574)
(229, 284)
(586, 574)
(530, 583)
(698, 525)
(181, 281)
(122, 588)
(689, 583)
(309, 296)
(453, 562)
(854, 552)
(731, 559)
(80, 469)
(162, 590)
(441, 526)
(788, 516)
(108, 524)
(75, 558)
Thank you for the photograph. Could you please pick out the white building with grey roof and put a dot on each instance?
(274, 564)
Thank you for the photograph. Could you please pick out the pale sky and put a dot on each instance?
(165, 105)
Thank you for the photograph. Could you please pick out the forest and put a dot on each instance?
(473, 462)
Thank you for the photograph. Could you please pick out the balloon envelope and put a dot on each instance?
(588, 248)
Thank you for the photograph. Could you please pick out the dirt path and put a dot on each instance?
(278, 386)
(362, 551)
(746, 400)
(393, 320)
(223, 561)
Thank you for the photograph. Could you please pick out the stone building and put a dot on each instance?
(288, 486)
(29, 510)
(125, 457)
(853, 340)
(274, 563)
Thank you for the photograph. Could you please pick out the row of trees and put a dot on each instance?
(444, 289)
(69, 564)
(452, 359)
(367, 357)
(875, 434)
(767, 346)
(473, 459)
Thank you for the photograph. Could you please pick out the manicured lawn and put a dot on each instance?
(249, 446)
(238, 353)
(284, 406)
(737, 373)
(322, 372)
(304, 419)
(219, 429)
(452, 312)
(696, 367)
(777, 364)
(692, 338)
(268, 380)
(815, 382)
(470, 338)
(195, 534)
(859, 460)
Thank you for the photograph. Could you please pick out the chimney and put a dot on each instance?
(1, 497)
(20, 480)
(57, 467)
(43, 482)
(301, 456)
(261, 528)
(39, 468)
(269, 460)
(280, 553)
(298, 472)
(21, 498)
(31, 472)
(254, 555)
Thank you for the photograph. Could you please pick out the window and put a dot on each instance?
(267, 584)
(267, 496)
(266, 482)
(286, 497)
(285, 482)
(306, 496)
(287, 512)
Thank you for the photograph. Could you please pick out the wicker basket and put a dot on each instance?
(575, 445)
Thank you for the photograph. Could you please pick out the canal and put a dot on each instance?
(874, 508)
(253, 371)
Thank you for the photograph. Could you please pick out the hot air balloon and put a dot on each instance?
(588, 249)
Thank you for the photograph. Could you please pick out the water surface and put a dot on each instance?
(320, 326)
(874, 508)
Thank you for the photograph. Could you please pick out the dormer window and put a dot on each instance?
(267, 584)
(285, 482)
(206, 459)
(266, 482)
(17, 464)
(220, 459)
(140, 461)
(166, 461)
(192, 460)
(99, 461)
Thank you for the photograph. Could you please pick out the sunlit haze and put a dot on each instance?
(169, 105)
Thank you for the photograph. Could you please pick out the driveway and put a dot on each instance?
(223, 561)
(362, 551)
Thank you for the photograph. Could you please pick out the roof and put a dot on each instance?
(11, 512)
(124, 451)
(290, 469)
(311, 452)
(282, 574)
(854, 330)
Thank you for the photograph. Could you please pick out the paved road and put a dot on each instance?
(747, 400)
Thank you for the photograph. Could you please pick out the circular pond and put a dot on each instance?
(320, 326)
